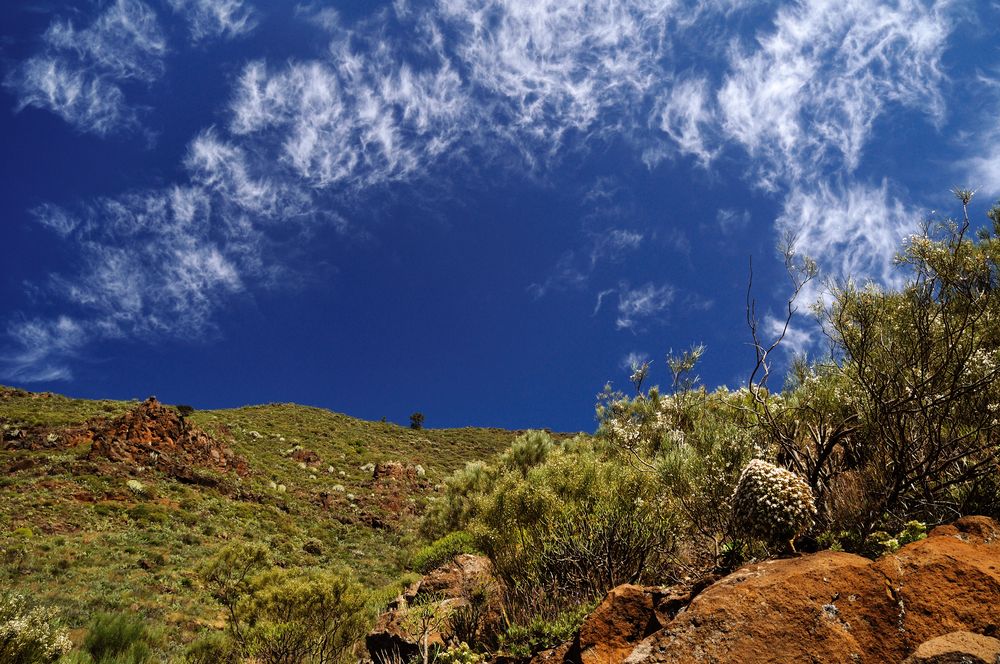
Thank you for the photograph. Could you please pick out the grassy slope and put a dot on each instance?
(95, 545)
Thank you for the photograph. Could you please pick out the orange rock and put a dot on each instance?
(838, 607)
(610, 632)
(957, 648)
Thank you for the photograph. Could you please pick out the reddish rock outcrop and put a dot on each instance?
(308, 457)
(838, 607)
(153, 435)
(957, 648)
(389, 472)
(627, 615)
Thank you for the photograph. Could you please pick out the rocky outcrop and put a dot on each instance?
(392, 472)
(422, 610)
(957, 648)
(838, 607)
(153, 435)
(627, 615)
(933, 602)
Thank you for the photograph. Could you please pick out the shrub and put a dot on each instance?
(148, 513)
(528, 450)
(277, 615)
(443, 550)
(541, 633)
(313, 546)
(291, 616)
(772, 504)
(30, 635)
(919, 372)
(213, 648)
(459, 653)
(118, 638)
(571, 529)
(463, 490)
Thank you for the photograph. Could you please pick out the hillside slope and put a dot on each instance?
(86, 531)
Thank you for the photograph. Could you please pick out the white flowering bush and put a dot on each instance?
(772, 504)
(30, 635)
(459, 653)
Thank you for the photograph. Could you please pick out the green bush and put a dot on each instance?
(459, 505)
(148, 513)
(528, 450)
(574, 527)
(459, 653)
(443, 550)
(541, 633)
(291, 616)
(285, 615)
(212, 648)
(119, 638)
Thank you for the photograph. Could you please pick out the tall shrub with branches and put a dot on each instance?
(922, 366)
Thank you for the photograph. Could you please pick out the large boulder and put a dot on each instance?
(838, 607)
(624, 617)
(957, 648)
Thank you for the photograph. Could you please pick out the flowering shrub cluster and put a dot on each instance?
(772, 504)
(30, 635)
(459, 654)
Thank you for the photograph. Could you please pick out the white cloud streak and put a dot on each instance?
(89, 102)
(555, 66)
(534, 78)
(80, 71)
(852, 230)
(41, 349)
(638, 304)
(573, 273)
(808, 95)
(351, 121)
(208, 19)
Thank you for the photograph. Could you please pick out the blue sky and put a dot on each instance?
(478, 209)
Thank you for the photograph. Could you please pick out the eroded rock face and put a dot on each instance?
(153, 435)
(397, 632)
(838, 607)
(957, 648)
(627, 615)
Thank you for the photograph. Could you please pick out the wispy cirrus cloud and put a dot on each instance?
(636, 305)
(79, 73)
(38, 349)
(686, 112)
(482, 80)
(554, 66)
(851, 229)
(208, 19)
(574, 268)
(352, 120)
(804, 98)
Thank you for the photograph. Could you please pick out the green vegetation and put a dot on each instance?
(87, 536)
(442, 550)
(118, 638)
